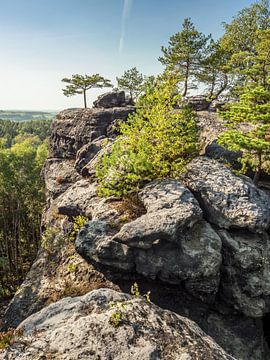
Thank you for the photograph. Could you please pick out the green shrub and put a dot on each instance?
(156, 142)
(78, 222)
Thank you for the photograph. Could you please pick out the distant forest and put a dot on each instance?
(26, 115)
(23, 150)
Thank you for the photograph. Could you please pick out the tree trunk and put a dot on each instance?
(257, 174)
(84, 99)
(186, 80)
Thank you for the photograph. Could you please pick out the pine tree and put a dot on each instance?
(80, 84)
(185, 53)
(132, 81)
(156, 142)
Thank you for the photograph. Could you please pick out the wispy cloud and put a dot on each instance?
(125, 15)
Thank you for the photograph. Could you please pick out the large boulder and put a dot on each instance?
(82, 328)
(171, 242)
(111, 99)
(227, 200)
(75, 128)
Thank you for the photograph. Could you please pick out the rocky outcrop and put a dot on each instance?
(228, 201)
(170, 242)
(76, 128)
(245, 272)
(81, 328)
(111, 99)
(59, 175)
(200, 245)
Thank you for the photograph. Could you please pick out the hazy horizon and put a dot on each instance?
(42, 42)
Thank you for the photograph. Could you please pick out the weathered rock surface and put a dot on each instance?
(80, 328)
(59, 175)
(218, 152)
(198, 103)
(76, 128)
(111, 99)
(227, 200)
(170, 242)
(173, 247)
(88, 152)
(246, 272)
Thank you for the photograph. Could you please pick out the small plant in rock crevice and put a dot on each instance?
(78, 222)
(120, 307)
(7, 338)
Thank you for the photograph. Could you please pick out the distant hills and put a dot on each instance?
(17, 115)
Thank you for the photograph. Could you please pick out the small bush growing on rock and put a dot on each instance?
(48, 237)
(120, 307)
(156, 142)
(7, 337)
(78, 222)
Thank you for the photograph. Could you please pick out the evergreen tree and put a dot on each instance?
(252, 112)
(185, 53)
(80, 84)
(156, 142)
(132, 81)
(213, 71)
(240, 40)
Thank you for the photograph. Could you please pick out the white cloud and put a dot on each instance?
(125, 15)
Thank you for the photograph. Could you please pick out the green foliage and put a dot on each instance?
(240, 42)
(21, 204)
(6, 338)
(253, 109)
(79, 84)
(120, 308)
(10, 130)
(156, 142)
(78, 222)
(185, 53)
(240, 34)
(132, 81)
(48, 237)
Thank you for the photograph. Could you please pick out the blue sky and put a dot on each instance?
(43, 41)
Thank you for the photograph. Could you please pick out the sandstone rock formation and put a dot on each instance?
(170, 242)
(76, 128)
(200, 244)
(80, 328)
(198, 102)
(228, 201)
(111, 99)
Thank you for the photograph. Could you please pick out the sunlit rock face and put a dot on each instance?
(199, 243)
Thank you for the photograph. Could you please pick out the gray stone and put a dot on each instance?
(73, 129)
(78, 199)
(80, 328)
(111, 99)
(246, 272)
(59, 175)
(170, 242)
(88, 152)
(218, 152)
(228, 201)
(198, 102)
